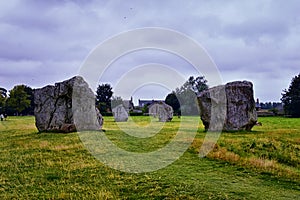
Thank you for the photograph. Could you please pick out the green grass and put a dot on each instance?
(262, 164)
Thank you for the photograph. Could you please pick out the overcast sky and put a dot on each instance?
(43, 42)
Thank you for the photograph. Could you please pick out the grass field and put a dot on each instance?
(261, 164)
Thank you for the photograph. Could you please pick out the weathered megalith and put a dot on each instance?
(163, 111)
(232, 105)
(120, 114)
(67, 106)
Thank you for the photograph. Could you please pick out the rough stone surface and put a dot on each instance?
(233, 102)
(67, 106)
(120, 114)
(163, 111)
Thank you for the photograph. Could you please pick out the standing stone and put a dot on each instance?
(232, 105)
(67, 106)
(120, 113)
(163, 111)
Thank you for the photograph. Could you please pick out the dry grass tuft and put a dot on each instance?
(262, 163)
(44, 144)
(221, 153)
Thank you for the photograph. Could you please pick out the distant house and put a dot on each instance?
(142, 103)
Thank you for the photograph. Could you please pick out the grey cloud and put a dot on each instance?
(253, 30)
(245, 38)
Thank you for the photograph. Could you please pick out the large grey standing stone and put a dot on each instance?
(120, 114)
(67, 106)
(163, 111)
(234, 101)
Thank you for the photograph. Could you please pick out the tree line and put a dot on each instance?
(19, 100)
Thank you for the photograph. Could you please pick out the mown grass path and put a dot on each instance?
(262, 164)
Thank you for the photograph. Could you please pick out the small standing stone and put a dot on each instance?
(163, 111)
(120, 113)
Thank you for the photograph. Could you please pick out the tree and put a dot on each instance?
(3, 96)
(187, 99)
(3, 92)
(103, 97)
(30, 109)
(291, 98)
(115, 101)
(172, 100)
(186, 96)
(145, 109)
(198, 84)
(18, 99)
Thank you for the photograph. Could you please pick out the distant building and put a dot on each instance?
(142, 103)
(268, 108)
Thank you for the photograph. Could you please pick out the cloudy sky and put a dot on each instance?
(43, 42)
